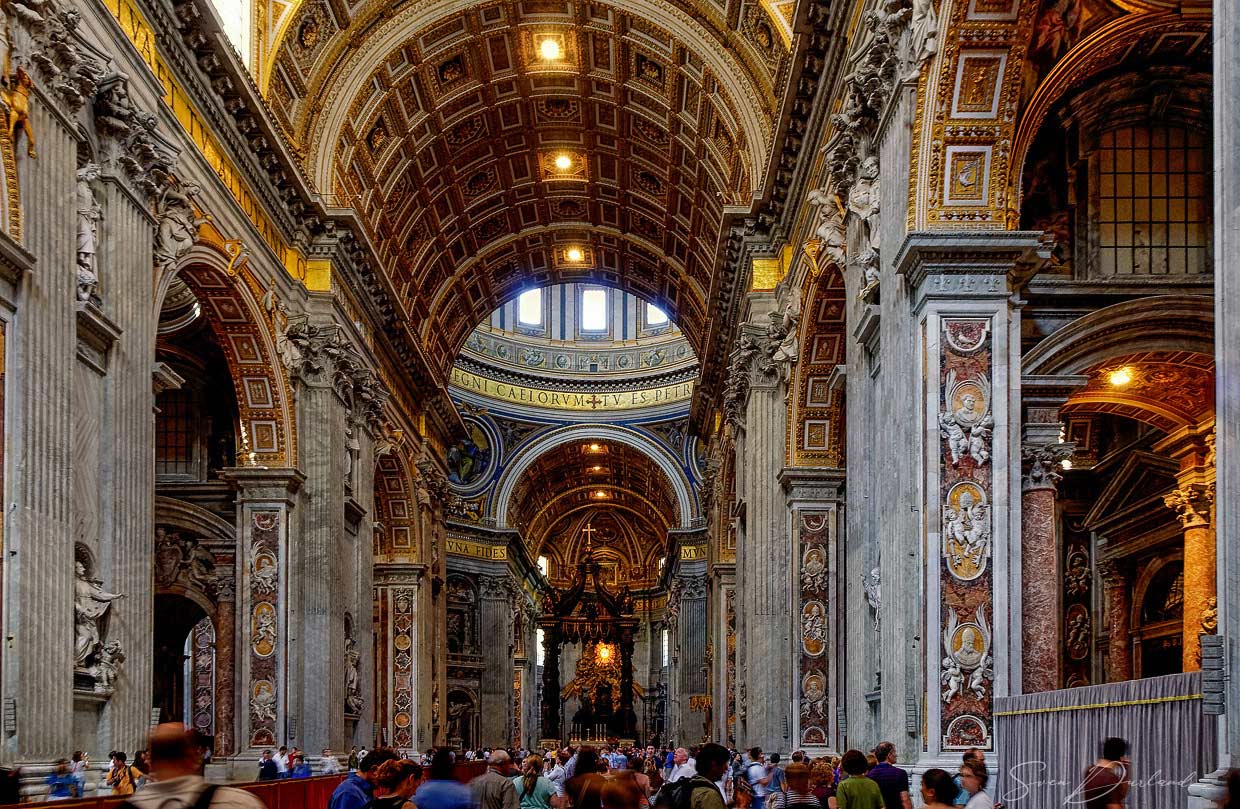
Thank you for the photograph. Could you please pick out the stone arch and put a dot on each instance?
(528, 455)
(815, 411)
(226, 291)
(1155, 323)
(190, 517)
(1088, 58)
(396, 509)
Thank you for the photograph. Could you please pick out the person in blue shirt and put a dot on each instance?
(60, 784)
(300, 769)
(358, 789)
(442, 790)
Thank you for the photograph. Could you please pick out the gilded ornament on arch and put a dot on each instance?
(967, 181)
(979, 76)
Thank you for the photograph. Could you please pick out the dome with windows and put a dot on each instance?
(577, 346)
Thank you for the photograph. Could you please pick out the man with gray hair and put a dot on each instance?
(683, 767)
(494, 788)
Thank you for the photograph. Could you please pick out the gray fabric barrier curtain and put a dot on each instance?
(1045, 741)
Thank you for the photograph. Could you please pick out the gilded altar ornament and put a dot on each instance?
(15, 95)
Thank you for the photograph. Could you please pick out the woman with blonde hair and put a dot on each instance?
(535, 790)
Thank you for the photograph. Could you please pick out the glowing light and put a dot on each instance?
(1120, 377)
(604, 652)
(598, 468)
(563, 162)
(600, 495)
(595, 447)
(574, 254)
(549, 49)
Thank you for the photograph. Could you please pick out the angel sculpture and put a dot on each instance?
(972, 656)
(953, 678)
(965, 420)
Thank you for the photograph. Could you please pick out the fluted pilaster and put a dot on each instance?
(42, 344)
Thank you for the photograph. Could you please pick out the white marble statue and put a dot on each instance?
(90, 603)
(830, 230)
(353, 702)
(923, 36)
(89, 212)
(178, 223)
(107, 667)
(874, 594)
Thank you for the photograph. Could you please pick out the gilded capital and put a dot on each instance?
(1192, 504)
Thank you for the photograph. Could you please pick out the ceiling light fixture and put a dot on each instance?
(1120, 377)
(574, 254)
(549, 49)
(598, 468)
(563, 162)
(595, 447)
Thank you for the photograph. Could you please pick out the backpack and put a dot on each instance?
(203, 802)
(679, 794)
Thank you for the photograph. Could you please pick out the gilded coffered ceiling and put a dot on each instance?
(589, 476)
(482, 159)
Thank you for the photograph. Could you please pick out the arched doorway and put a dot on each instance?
(184, 644)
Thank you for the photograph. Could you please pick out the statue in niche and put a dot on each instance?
(353, 702)
(89, 212)
(873, 594)
(90, 603)
(178, 222)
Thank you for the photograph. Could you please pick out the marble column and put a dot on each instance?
(1039, 558)
(1192, 504)
(225, 667)
(691, 639)
(39, 617)
(1226, 147)
(317, 624)
(265, 511)
(960, 288)
(495, 629)
(397, 588)
(551, 685)
(764, 613)
(1118, 608)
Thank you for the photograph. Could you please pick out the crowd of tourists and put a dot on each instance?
(708, 776)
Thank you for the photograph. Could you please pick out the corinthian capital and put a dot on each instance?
(1042, 463)
(1191, 504)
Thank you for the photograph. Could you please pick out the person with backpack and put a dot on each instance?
(176, 764)
(758, 776)
(122, 777)
(700, 791)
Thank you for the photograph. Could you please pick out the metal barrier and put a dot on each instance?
(298, 793)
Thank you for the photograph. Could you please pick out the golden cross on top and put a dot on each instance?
(589, 532)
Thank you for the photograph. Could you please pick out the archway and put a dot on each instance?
(183, 648)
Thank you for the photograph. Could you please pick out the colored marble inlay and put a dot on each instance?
(814, 626)
(264, 634)
(966, 573)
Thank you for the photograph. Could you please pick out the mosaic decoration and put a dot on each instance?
(402, 668)
(965, 572)
(264, 688)
(814, 636)
(202, 666)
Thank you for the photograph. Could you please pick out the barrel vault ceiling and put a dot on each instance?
(441, 124)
